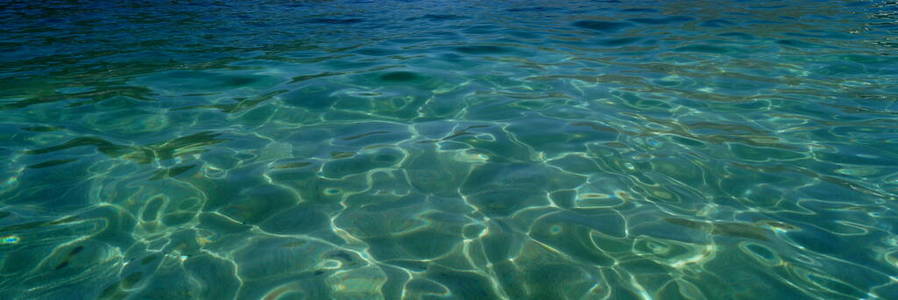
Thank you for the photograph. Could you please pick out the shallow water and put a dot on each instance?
(449, 149)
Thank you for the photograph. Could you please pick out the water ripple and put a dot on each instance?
(428, 149)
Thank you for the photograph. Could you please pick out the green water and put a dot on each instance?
(449, 150)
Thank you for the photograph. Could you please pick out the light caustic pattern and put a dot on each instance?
(433, 150)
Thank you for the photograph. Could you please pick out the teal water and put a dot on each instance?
(449, 149)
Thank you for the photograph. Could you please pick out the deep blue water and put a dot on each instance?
(449, 149)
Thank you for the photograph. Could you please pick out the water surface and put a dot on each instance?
(448, 150)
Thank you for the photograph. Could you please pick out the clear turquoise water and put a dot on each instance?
(449, 150)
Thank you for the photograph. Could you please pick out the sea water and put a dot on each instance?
(448, 149)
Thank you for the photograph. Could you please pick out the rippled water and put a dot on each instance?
(448, 149)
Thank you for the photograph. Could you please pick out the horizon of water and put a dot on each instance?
(448, 149)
